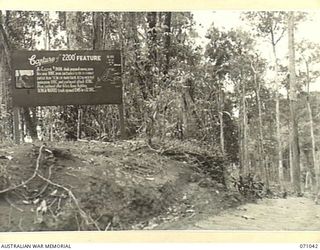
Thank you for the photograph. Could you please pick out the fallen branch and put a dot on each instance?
(88, 220)
(158, 151)
(11, 204)
(59, 204)
(28, 180)
(54, 200)
(94, 222)
(78, 224)
(46, 186)
(20, 224)
(10, 214)
(107, 227)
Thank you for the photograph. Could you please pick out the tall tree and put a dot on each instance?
(5, 72)
(257, 89)
(151, 70)
(293, 104)
(73, 37)
(98, 28)
(167, 40)
(308, 56)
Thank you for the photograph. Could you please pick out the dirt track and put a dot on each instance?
(268, 214)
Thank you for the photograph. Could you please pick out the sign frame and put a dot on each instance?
(66, 77)
(74, 74)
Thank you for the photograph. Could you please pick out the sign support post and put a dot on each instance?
(79, 121)
(121, 119)
(16, 131)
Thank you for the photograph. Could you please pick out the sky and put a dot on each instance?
(231, 19)
(227, 20)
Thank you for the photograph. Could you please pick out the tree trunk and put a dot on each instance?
(47, 38)
(189, 113)
(262, 165)
(152, 34)
(3, 84)
(152, 59)
(72, 27)
(167, 37)
(5, 75)
(243, 131)
(97, 30)
(30, 122)
(136, 50)
(221, 109)
(290, 158)
(280, 157)
(293, 108)
(313, 143)
(47, 46)
(290, 146)
(308, 169)
(5, 45)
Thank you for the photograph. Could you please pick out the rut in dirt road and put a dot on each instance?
(268, 214)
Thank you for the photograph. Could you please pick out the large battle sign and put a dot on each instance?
(46, 78)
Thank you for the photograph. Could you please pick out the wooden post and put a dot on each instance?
(122, 127)
(16, 132)
(79, 122)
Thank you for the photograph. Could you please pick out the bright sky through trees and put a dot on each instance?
(231, 20)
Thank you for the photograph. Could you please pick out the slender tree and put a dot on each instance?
(167, 40)
(308, 55)
(5, 72)
(261, 150)
(73, 36)
(293, 107)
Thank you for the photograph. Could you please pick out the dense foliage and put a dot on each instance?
(174, 88)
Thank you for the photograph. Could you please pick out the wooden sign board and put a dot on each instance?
(51, 78)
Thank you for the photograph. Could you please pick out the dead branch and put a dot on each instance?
(94, 222)
(20, 224)
(11, 204)
(47, 184)
(88, 220)
(10, 215)
(107, 227)
(78, 224)
(54, 200)
(59, 204)
(28, 180)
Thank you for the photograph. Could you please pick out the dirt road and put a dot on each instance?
(268, 214)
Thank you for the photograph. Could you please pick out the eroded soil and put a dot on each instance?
(116, 186)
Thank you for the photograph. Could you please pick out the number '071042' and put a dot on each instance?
(309, 246)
